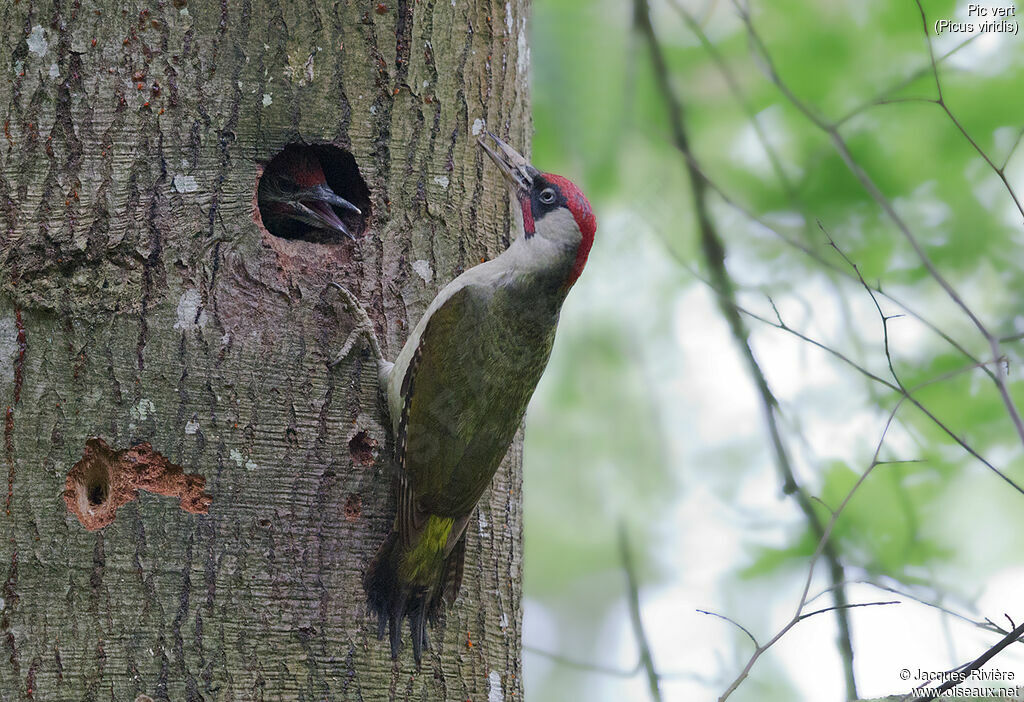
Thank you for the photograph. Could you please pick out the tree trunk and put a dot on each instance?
(153, 336)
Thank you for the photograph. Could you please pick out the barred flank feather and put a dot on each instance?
(453, 567)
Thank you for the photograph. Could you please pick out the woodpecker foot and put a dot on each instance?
(364, 328)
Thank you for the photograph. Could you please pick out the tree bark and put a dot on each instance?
(154, 336)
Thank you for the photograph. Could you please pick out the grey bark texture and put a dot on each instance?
(141, 304)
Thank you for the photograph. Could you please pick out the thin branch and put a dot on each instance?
(986, 625)
(974, 665)
(646, 660)
(741, 98)
(735, 623)
(796, 618)
(582, 665)
(997, 360)
(905, 393)
(804, 598)
(949, 113)
(611, 671)
(734, 88)
(842, 505)
(1009, 154)
(849, 606)
(821, 260)
(706, 12)
(905, 82)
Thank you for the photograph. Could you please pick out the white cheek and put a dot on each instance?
(559, 226)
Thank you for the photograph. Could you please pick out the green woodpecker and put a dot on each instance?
(459, 388)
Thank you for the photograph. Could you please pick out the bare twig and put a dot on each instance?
(1013, 149)
(646, 660)
(804, 598)
(611, 671)
(734, 88)
(582, 665)
(832, 267)
(997, 361)
(797, 616)
(974, 665)
(905, 393)
(941, 101)
(735, 623)
(883, 98)
(806, 615)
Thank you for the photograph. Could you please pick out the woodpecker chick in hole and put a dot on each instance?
(297, 203)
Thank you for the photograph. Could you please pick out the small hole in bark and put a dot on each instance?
(94, 483)
(353, 507)
(313, 192)
(361, 447)
(97, 493)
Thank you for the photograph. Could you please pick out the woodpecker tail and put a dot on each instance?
(391, 599)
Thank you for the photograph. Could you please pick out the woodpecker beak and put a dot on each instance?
(314, 206)
(516, 169)
(317, 202)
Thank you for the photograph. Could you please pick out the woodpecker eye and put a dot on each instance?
(547, 196)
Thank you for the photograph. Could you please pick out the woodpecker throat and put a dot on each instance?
(459, 388)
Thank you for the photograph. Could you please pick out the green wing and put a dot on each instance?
(465, 394)
(428, 440)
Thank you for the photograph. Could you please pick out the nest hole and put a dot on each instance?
(303, 190)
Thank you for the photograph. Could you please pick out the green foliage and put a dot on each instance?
(880, 528)
(766, 560)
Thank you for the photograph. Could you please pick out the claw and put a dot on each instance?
(364, 328)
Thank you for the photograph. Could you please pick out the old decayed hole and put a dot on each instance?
(303, 191)
(106, 479)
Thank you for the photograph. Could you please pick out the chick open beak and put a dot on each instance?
(516, 169)
(315, 206)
